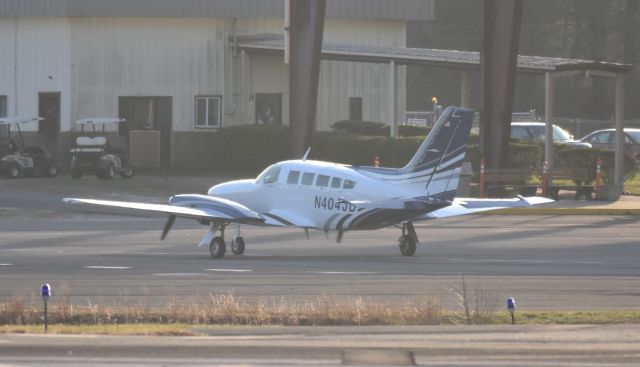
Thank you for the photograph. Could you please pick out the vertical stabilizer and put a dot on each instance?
(437, 164)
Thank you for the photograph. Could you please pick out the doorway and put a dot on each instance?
(148, 114)
(49, 127)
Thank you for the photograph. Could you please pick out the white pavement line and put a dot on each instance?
(343, 272)
(108, 267)
(6, 264)
(178, 274)
(231, 270)
(257, 255)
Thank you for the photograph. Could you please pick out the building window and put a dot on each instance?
(355, 108)
(208, 112)
(269, 108)
(3, 106)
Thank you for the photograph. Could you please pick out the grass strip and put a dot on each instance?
(447, 318)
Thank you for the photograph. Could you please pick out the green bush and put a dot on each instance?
(249, 147)
(571, 157)
(408, 131)
(366, 128)
(370, 128)
(521, 155)
(361, 150)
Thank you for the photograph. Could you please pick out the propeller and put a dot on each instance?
(167, 226)
(306, 232)
(339, 238)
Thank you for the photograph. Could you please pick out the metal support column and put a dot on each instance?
(548, 115)
(306, 28)
(498, 59)
(465, 89)
(393, 97)
(619, 153)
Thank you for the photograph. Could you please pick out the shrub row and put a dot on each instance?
(370, 128)
(253, 147)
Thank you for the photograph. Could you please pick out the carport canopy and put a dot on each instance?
(465, 61)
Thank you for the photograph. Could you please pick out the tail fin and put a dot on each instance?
(441, 154)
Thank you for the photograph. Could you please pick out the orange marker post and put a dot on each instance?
(544, 178)
(598, 176)
(376, 161)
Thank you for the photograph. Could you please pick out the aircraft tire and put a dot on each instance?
(407, 244)
(237, 245)
(217, 247)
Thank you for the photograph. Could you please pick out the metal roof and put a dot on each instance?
(367, 9)
(430, 57)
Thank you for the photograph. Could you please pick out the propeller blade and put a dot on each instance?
(339, 238)
(167, 226)
(306, 232)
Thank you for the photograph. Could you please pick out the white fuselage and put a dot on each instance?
(312, 193)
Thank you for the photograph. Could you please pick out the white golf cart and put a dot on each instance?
(16, 159)
(93, 154)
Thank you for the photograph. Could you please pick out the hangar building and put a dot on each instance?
(172, 68)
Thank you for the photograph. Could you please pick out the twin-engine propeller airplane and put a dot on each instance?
(336, 197)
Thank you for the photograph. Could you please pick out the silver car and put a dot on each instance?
(606, 139)
(535, 132)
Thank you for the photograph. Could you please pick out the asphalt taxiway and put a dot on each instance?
(544, 261)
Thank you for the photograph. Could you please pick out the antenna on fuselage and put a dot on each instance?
(306, 154)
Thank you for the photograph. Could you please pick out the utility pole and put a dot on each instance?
(306, 25)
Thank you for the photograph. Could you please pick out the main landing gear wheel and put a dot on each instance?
(407, 244)
(237, 245)
(217, 247)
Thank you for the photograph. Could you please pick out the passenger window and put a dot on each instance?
(271, 175)
(602, 138)
(293, 178)
(322, 181)
(348, 184)
(335, 182)
(307, 178)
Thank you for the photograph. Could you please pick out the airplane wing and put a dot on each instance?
(372, 215)
(192, 206)
(462, 206)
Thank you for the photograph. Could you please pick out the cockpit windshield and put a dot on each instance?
(269, 175)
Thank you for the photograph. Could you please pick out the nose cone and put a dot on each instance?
(228, 189)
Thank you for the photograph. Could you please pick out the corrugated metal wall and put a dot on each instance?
(35, 58)
(363, 9)
(339, 80)
(175, 57)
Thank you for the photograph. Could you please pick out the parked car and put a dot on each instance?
(17, 159)
(535, 132)
(606, 139)
(94, 154)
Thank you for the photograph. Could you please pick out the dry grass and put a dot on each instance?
(479, 305)
(229, 309)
